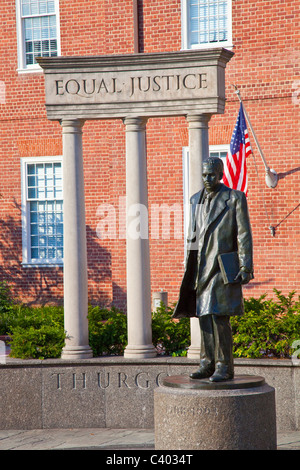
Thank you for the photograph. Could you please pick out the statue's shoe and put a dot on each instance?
(202, 373)
(222, 373)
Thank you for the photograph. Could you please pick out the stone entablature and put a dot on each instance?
(118, 86)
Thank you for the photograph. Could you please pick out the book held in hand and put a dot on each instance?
(229, 266)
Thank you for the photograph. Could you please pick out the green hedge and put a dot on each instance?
(36, 333)
(107, 331)
(268, 329)
(170, 337)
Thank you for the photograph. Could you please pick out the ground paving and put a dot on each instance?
(101, 439)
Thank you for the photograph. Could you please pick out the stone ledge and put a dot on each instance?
(118, 392)
(104, 360)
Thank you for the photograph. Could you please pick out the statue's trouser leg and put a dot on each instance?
(216, 341)
(207, 343)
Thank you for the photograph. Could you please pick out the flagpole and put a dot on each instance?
(271, 175)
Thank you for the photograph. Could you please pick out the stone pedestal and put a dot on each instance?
(199, 415)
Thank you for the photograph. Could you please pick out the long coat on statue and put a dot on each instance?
(227, 229)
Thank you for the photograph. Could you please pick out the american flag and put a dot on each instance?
(235, 168)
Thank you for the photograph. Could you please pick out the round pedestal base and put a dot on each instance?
(238, 414)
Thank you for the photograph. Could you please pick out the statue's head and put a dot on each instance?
(212, 173)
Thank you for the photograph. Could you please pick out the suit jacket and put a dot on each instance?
(227, 229)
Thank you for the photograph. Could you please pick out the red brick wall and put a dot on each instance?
(266, 69)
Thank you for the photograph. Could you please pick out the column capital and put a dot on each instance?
(135, 124)
(198, 120)
(72, 126)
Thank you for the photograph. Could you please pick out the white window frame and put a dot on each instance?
(185, 42)
(22, 67)
(223, 148)
(25, 213)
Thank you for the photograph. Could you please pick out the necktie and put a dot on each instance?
(207, 204)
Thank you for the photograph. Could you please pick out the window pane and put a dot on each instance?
(37, 7)
(30, 169)
(34, 253)
(47, 236)
(37, 48)
(203, 33)
(31, 181)
(41, 217)
(29, 59)
(52, 33)
(43, 6)
(221, 154)
(25, 7)
(208, 21)
(34, 229)
(51, 6)
(31, 193)
(45, 48)
(33, 217)
(41, 229)
(34, 7)
(42, 206)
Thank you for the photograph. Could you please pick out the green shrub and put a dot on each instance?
(37, 333)
(42, 343)
(107, 331)
(6, 308)
(169, 336)
(268, 327)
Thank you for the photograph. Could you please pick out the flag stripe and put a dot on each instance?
(235, 168)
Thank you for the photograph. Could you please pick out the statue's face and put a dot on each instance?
(211, 178)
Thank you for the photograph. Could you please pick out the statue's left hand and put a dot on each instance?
(243, 277)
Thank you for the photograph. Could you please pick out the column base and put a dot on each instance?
(140, 352)
(193, 352)
(76, 352)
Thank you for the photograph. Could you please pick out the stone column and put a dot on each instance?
(75, 250)
(137, 244)
(198, 152)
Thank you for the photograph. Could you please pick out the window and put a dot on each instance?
(206, 23)
(38, 31)
(42, 209)
(219, 151)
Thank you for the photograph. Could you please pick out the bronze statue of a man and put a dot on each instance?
(219, 227)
